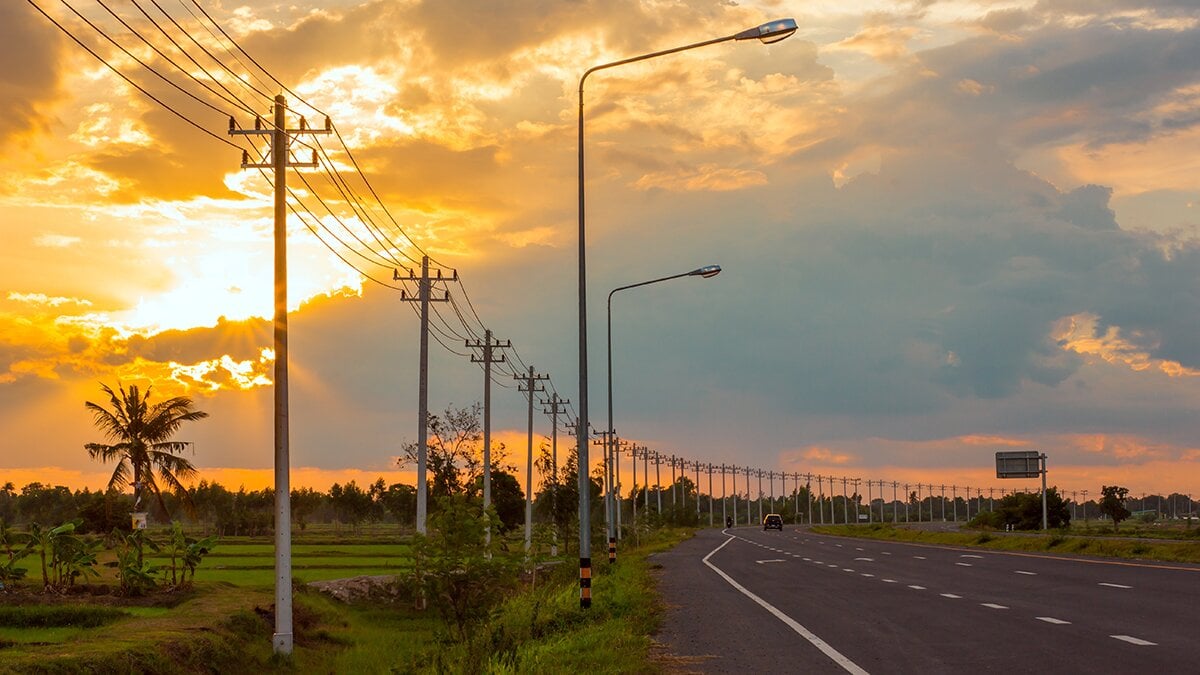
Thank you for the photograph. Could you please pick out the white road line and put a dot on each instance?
(969, 555)
(885, 552)
(867, 575)
(888, 581)
(857, 548)
(866, 559)
(839, 546)
(919, 557)
(1056, 622)
(1104, 583)
(962, 564)
(993, 605)
(1134, 641)
(837, 657)
(949, 595)
(772, 560)
(1031, 574)
(831, 565)
(847, 569)
(807, 559)
(917, 588)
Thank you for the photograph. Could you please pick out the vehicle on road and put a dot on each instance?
(773, 521)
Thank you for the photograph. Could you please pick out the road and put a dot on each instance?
(752, 601)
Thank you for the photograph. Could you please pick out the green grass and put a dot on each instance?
(1057, 542)
(224, 624)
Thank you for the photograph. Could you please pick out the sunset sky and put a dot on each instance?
(946, 228)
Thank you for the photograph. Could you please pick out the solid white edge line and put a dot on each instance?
(837, 657)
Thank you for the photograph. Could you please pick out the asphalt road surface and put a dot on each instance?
(748, 601)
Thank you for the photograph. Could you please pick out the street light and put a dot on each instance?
(767, 33)
(706, 272)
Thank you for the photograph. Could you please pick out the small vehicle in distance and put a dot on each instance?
(772, 521)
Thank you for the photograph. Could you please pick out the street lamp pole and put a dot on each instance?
(767, 33)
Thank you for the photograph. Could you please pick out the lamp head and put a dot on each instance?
(707, 271)
(770, 32)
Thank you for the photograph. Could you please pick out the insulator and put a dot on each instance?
(245, 158)
(314, 157)
(328, 124)
(257, 123)
(303, 123)
(232, 123)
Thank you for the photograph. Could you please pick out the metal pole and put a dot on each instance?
(581, 434)
(282, 639)
(1045, 521)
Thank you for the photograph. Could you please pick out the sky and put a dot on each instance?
(946, 228)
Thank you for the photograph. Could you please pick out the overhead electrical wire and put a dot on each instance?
(384, 255)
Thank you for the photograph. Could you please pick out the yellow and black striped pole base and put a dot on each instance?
(612, 550)
(585, 583)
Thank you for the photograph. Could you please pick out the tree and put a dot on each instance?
(140, 441)
(508, 500)
(454, 454)
(1112, 504)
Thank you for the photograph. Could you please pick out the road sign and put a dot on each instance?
(1019, 464)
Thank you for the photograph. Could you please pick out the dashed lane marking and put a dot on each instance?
(1134, 641)
(837, 657)
(1056, 622)
(772, 560)
(949, 595)
(886, 552)
(847, 569)
(1105, 583)
(970, 555)
(920, 557)
(917, 588)
(865, 574)
(963, 564)
(888, 581)
(992, 605)
(866, 559)
(1030, 574)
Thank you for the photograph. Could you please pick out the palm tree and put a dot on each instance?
(140, 434)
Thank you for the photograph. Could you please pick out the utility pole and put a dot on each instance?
(603, 444)
(529, 385)
(771, 482)
(618, 445)
(424, 293)
(748, 470)
(658, 458)
(489, 347)
(557, 407)
(696, 465)
(646, 470)
(724, 513)
(759, 474)
(709, 495)
(280, 160)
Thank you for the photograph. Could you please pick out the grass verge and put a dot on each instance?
(1056, 542)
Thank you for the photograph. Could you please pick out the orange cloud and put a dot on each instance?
(1078, 333)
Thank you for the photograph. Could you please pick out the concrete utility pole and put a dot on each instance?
(759, 473)
(710, 495)
(280, 160)
(748, 470)
(646, 471)
(424, 293)
(557, 407)
(603, 444)
(618, 445)
(658, 458)
(771, 483)
(489, 357)
(870, 503)
(696, 465)
(529, 385)
(674, 484)
(725, 514)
